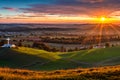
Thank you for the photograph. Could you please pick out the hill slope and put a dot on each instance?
(35, 59)
(24, 57)
(103, 56)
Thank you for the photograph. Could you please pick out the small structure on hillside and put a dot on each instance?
(8, 45)
(99, 46)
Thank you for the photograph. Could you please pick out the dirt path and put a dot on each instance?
(107, 60)
(35, 63)
(79, 63)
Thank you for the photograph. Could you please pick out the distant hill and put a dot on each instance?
(101, 73)
(44, 27)
(34, 59)
(19, 29)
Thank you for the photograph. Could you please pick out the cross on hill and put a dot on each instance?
(8, 40)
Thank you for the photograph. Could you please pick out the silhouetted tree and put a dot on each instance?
(2, 42)
(91, 47)
(107, 45)
(41, 46)
(54, 49)
(70, 50)
(76, 49)
(63, 49)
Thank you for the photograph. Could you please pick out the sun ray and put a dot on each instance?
(107, 30)
(90, 34)
(116, 31)
(100, 34)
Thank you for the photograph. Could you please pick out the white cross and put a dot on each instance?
(8, 40)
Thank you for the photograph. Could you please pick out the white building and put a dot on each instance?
(8, 45)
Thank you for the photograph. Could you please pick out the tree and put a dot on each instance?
(107, 45)
(76, 49)
(91, 47)
(41, 45)
(113, 45)
(70, 50)
(63, 49)
(20, 43)
(54, 49)
(2, 42)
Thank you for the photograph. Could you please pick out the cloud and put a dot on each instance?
(75, 7)
(53, 9)
(0, 16)
(9, 8)
(92, 1)
(115, 14)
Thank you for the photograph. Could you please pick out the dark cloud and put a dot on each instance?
(9, 8)
(76, 7)
(54, 9)
(91, 1)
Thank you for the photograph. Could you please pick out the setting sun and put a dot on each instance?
(102, 19)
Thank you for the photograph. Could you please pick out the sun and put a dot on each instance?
(102, 19)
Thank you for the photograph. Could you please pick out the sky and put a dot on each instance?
(58, 11)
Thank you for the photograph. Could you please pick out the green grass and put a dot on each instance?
(36, 59)
(55, 65)
(38, 53)
(18, 58)
(94, 55)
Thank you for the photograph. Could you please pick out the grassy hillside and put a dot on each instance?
(101, 73)
(35, 59)
(101, 56)
(25, 57)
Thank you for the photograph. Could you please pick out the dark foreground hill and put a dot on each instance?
(34, 59)
(101, 73)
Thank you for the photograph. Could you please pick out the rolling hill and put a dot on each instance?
(34, 59)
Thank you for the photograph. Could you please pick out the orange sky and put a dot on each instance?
(58, 20)
(59, 11)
